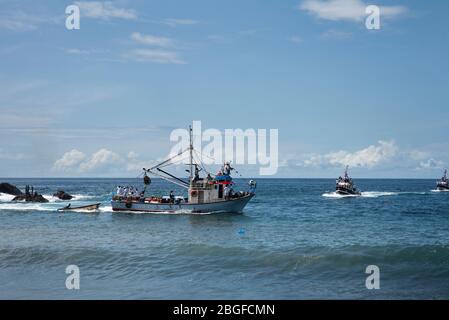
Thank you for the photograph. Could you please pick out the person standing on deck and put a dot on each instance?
(227, 191)
(197, 173)
(227, 168)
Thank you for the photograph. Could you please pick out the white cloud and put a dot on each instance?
(133, 155)
(431, 164)
(177, 22)
(346, 10)
(104, 10)
(100, 159)
(151, 40)
(101, 162)
(22, 21)
(368, 157)
(155, 55)
(69, 160)
(418, 155)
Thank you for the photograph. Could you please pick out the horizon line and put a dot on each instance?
(264, 178)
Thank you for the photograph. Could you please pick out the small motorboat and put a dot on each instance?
(443, 183)
(90, 207)
(345, 185)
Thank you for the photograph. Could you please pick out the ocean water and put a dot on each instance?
(295, 240)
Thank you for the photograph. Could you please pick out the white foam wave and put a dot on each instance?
(376, 194)
(177, 212)
(105, 209)
(4, 197)
(23, 206)
(80, 211)
(436, 190)
(337, 195)
(82, 197)
(366, 194)
(76, 197)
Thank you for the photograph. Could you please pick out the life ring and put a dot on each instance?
(193, 193)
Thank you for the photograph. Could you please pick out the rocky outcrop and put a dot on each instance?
(30, 198)
(9, 189)
(63, 195)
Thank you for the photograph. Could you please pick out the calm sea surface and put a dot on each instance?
(295, 240)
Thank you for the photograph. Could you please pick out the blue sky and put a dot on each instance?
(102, 100)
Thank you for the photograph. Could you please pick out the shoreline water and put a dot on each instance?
(293, 243)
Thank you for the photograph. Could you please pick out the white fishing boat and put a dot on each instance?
(443, 183)
(211, 194)
(345, 185)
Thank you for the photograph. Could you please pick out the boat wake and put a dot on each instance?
(366, 194)
(376, 194)
(436, 190)
(108, 209)
(337, 195)
(371, 194)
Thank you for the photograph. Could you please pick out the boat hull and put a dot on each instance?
(347, 192)
(231, 206)
(443, 188)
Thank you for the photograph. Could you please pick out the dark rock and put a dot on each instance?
(63, 195)
(30, 198)
(9, 189)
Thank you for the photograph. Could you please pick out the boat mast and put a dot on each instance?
(191, 154)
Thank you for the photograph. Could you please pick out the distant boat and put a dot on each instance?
(211, 194)
(443, 183)
(90, 207)
(345, 185)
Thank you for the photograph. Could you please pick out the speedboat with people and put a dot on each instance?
(443, 183)
(209, 194)
(345, 185)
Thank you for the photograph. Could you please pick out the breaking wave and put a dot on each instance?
(4, 197)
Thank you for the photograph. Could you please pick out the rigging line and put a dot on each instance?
(203, 166)
(200, 162)
(168, 160)
(173, 162)
(169, 180)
